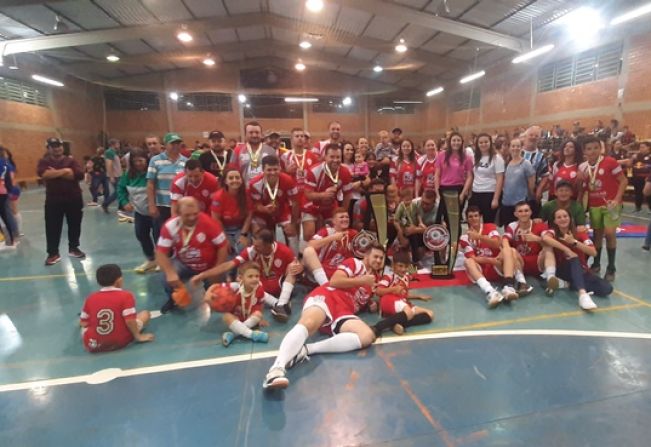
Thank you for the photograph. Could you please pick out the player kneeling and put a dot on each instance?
(393, 291)
(108, 319)
(331, 308)
(241, 304)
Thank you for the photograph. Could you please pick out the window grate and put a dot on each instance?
(464, 100)
(128, 100)
(333, 104)
(205, 102)
(19, 91)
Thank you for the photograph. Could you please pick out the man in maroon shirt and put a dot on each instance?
(61, 175)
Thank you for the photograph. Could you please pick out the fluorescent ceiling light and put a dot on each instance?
(472, 77)
(634, 14)
(347, 101)
(241, 98)
(299, 99)
(174, 96)
(305, 44)
(407, 101)
(435, 91)
(533, 53)
(184, 36)
(401, 47)
(300, 66)
(209, 62)
(378, 68)
(45, 80)
(112, 58)
(314, 5)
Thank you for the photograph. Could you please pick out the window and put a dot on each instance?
(333, 104)
(467, 99)
(587, 66)
(20, 91)
(386, 106)
(205, 102)
(272, 107)
(127, 100)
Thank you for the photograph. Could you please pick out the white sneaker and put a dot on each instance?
(5, 247)
(586, 302)
(146, 266)
(509, 293)
(298, 358)
(275, 379)
(494, 298)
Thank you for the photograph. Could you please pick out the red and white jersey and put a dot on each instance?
(243, 160)
(249, 302)
(404, 174)
(393, 280)
(319, 147)
(566, 173)
(301, 163)
(273, 266)
(285, 192)
(318, 180)
(470, 247)
(604, 185)
(513, 233)
(196, 248)
(181, 187)
(225, 206)
(359, 296)
(105, 314)
(581, 236)
(427, 170)
(335, 252)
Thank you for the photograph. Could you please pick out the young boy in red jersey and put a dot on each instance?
(247, 313)
(393, 291)
(108, 319)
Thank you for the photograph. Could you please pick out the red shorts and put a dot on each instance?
(490, 273)
(272, 285)
(91, 344)
(392, 304)
(238, 311)
(531, 265)
(311, 211)
(334, 303)
(282, 217)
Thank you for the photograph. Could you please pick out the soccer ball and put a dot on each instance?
(223, 298)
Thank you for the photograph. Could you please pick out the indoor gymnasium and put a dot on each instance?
(325, 223)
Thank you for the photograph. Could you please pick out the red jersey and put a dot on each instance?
(393, 280)
(513, 233)
(105, 314)
(284, 192)
(273, 267)
(319, 147)
(203, 192)
(196, 248)
(227, 209)
(404, 173)
(427, 172)
(249, 303)
(360, 297)
(318, 180)
(470, 247)
(582, 237)
(566, 173)
(335, 252)
(601, 181)
(289, 160)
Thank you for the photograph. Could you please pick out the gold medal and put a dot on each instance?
(266, 266)
(220, 165)
(246, 310)
(273, 193)
(333, 178)
(254, 156)
(592, 174)
(185, 238)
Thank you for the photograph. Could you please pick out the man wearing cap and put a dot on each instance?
(61, 176)
(216, 159)
(248, 156)
(162, 170)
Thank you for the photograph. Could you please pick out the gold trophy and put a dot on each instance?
(438, 237)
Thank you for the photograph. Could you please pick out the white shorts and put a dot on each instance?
(307, 217)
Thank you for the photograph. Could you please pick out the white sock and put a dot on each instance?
(252, 321)
(291, 344)
(519, 276)
(285, 293)
(239, 328)
(293, 244)
(320, 276)
(342, 342)
(270, 300)
(550, 271)
(484, 285)
(19, 221)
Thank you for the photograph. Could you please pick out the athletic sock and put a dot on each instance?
(550, 271)
(611, 258)
(418, 319)
(293, 244)
(484, 285)
(270, 300)
(239, 328)
(597, 259)
(519, 276)
(291, 345)
(320, 276)
(285, 293)
(252, 321)
(342, 342)
(389, 322)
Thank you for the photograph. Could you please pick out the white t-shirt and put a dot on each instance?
(485, 179)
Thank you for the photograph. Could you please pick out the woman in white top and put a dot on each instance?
(488, 179)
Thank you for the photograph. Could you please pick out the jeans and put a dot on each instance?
(144, 228)
(165, 212)
(4, 213)
(55, 211)
(108, 199)
(97, 180)
(647, 239)
(638, 185)
(572, 272)
(233, 235)
(184, 273)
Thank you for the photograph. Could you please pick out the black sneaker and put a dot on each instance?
(523, 289)
(76, 253)
(280, 313)
(51, 260)
(646, 248)
(170, 305)
(595, 268)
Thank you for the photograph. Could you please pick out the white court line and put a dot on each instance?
(117, 372)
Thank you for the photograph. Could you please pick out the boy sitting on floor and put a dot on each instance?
(108, 319)
(393, 291)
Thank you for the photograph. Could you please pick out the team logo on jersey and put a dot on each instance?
(205, 193)
(524, 249)
(408, 177)
(572, 174)
(601, 171)
(436, 237)
(278, 262)
(201, 237)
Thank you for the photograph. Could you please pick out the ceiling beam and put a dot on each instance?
(8, 3)
(434, 22)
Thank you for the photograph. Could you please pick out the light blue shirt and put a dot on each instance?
(162, 171)
(516, 183)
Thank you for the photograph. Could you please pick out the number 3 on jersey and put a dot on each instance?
(105, 319)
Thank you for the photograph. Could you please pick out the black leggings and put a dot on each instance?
(5, 219)
(483, 201)
(572, 272)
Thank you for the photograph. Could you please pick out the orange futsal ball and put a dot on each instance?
(223, 298)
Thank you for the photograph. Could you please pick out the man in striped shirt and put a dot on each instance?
(162, 170)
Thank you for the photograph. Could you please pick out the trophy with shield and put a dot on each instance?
(442, 238)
